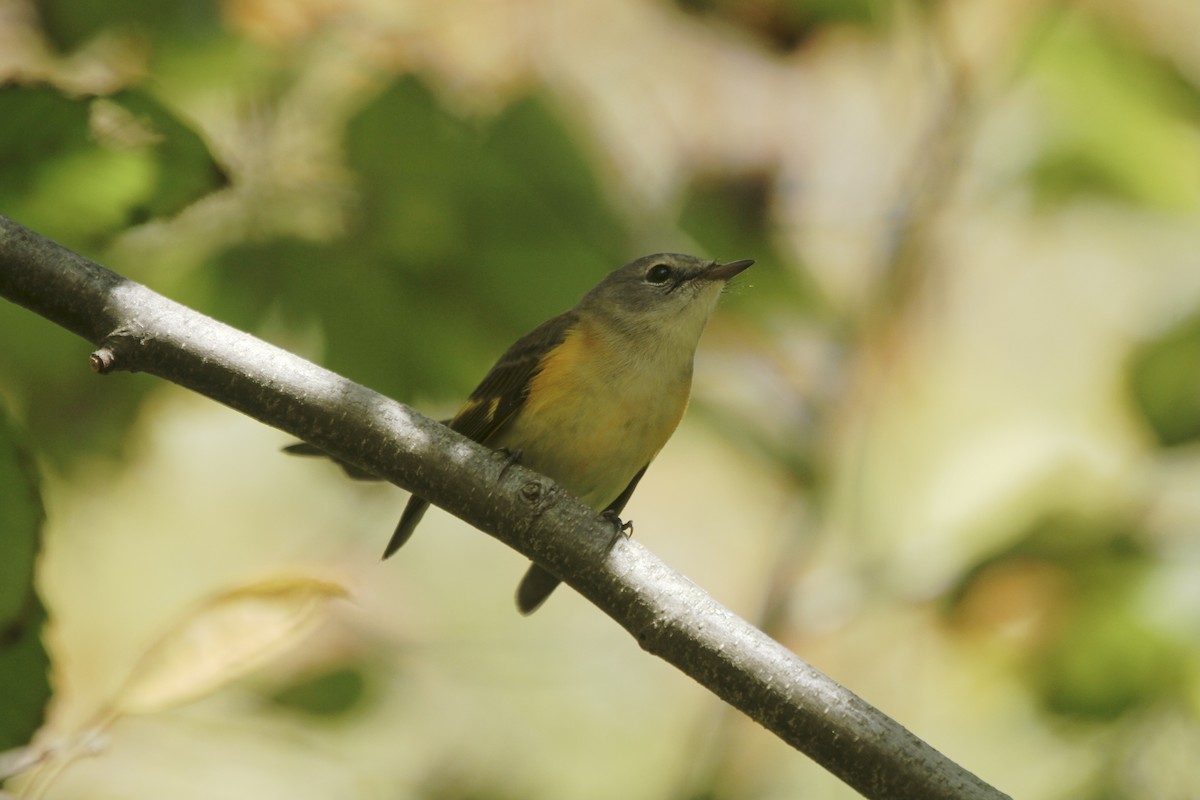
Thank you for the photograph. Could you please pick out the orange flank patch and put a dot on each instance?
(609, 415)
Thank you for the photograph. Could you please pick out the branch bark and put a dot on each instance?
(135, 329)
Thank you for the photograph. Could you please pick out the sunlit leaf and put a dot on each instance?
(186, 169)
(1120, 124)
(84, 168)
(59, 179)
(223, 639)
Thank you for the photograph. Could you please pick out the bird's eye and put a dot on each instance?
(659, 273)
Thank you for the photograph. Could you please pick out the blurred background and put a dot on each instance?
(945, 435)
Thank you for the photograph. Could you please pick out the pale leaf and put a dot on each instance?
(222, 639)
(18, 760)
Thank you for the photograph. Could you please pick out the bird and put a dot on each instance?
(589, 397)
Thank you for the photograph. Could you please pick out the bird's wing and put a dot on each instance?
(504, 390)
(497, 398)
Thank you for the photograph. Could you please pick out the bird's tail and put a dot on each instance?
(534, 588)
(306, 449)
(408, 523)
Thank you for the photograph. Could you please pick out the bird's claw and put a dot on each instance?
(619, 528)
(510, 457)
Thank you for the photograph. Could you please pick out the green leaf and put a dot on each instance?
(730, 216)
(787, 24)
(70, 23)
(24, 664)
(81, 169)
(1164, 379)
(1107, 663)
(467, 234)
(328, 694)
(1120, 124)
(1099, 654)
(43, 127)
(185, 168)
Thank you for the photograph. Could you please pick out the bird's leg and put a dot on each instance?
(619, 528)
(510, 457)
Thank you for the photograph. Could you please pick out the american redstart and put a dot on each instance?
(589, 397)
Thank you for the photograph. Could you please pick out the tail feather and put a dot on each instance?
(408, 523)
(306, 449)
(534, 588)
(412, 512)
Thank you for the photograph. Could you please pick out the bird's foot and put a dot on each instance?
(619, 528)
(510, 457)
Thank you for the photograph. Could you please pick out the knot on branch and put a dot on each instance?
(532, 492)
(103, 360)
(108, 356)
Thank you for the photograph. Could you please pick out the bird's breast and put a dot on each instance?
(598, 412)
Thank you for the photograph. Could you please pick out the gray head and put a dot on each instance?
(665, 294)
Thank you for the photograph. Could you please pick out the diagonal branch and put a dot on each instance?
(135, 329)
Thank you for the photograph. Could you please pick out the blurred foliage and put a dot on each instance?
(1093, 652)
(221, 639)
(102, 165)
(730, 215)
(1110, 661)
(332, 693)
(1121, 122)
(787, 24)
(452, 224)
(139, 121)
(24, 666)
(489, 226)
(71, 23)
(33, 164)
(1164, 378)
(96, 166)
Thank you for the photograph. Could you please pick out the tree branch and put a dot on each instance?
(137, 330)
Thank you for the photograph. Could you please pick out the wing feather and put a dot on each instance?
(497, 398)
(505, 388)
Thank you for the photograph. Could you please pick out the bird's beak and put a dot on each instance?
(723, 272)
